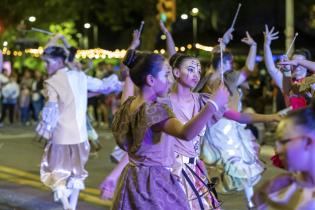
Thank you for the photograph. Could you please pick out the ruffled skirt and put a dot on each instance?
(62, 167)
(234, 154)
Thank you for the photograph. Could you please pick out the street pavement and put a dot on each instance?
(20, 188)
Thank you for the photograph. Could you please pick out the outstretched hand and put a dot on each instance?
(270, 35)
(248, 40)
(135, 39)
(227, 37)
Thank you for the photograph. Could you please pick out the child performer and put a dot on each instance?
(227, 145)
(63, 123)
(142, 127)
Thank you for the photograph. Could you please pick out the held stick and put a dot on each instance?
(288, 51)
(236, 14)
(141, 27)
(221, 60)
(41, 31)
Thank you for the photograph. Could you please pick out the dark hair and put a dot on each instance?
(72, 53)
(216, 58)
(178, 58)
(304, 52)
(304, 117)
(142, 64)
(55, 52)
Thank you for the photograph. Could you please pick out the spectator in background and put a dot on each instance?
(24, 104)
(10, 93)
(25, 97)
(37, 96)
(4, 78)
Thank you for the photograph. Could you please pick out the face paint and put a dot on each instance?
(189, 72)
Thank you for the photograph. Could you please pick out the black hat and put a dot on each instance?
(55, 51)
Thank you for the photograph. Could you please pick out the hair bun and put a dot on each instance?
(72, 53)
(130, 58)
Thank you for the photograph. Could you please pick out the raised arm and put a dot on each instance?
(251, 58)
(274, 72)
(227, 37)
(129, 87)
(53, 40)
(170, 45)
(310, 65)
(248, 118)
(105, 86)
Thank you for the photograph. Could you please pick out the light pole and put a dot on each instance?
(194, 14)
(86, 37)
(95, 36)
(289, 23)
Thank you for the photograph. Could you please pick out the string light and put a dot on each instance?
(203, 47)
(97, 52)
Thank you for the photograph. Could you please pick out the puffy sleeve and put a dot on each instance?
(129, 128)
(50, 113)
(157, 113)
(105, 86)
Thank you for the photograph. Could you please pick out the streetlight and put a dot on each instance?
(184, 16)
(87, 25)
(195, 11)
(86, 37)
(194, 14)
(32, 19)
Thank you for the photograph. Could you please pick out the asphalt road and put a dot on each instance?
(20, 155)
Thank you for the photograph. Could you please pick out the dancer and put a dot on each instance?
(296, 188)
(63, 124)
(141, 127)
(298, 73)
(306, 86)
(228, 147)
(185, 105)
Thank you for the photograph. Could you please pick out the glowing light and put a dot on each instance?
(184, 16)
(203, 47)
(32, 19)
(87, 25)
(195, 11)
